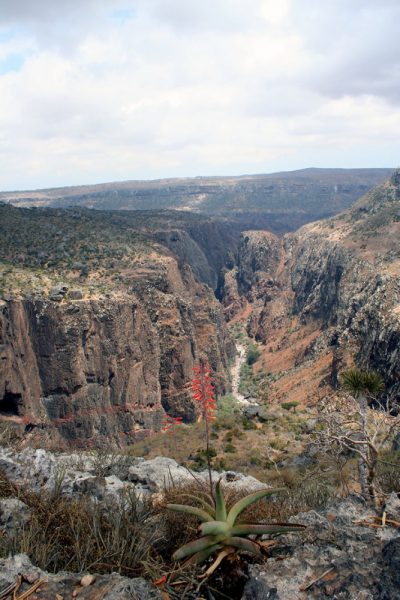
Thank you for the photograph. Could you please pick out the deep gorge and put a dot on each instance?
(107, 365)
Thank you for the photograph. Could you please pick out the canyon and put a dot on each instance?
(323, 298)
(104, 313)
(102, 357)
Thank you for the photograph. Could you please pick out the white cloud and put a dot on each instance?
(149, 88)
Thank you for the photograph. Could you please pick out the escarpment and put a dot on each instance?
(109, 367)
(356, 303)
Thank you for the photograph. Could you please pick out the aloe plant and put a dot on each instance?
(221, 530)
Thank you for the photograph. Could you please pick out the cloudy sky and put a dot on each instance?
(105, 90)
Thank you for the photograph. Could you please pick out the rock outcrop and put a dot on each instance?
(70, 585)
(106, 477)
(338, 557)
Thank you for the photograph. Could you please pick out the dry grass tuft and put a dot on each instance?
(138, 537)
(76, 534)
(7, 490)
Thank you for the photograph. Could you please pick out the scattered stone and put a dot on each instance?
(13, 515)
(253, 410)
(270, 416)
(32, 577)
(58, 292)
(392, 507)
(87, 580)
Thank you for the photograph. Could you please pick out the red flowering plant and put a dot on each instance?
(171, 424)
(220, 529)
(203, 393)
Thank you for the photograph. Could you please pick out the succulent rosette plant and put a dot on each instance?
(221, 530)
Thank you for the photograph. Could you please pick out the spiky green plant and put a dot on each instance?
(359, 382)
(220, 530)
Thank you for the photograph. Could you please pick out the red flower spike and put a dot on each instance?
(202, 389)
(171, 424)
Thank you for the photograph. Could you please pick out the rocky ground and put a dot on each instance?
(106, 476)
(18, 573)
(346, 553)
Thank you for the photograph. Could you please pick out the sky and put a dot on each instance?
(94, 91)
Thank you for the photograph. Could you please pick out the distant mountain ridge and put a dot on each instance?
(278, 202)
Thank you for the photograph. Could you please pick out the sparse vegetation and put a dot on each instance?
(252, 353)
(227, 404)
(289, 405)
(78, 535)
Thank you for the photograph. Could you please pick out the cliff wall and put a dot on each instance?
(109, 367)
(322, 278)
(277, 202)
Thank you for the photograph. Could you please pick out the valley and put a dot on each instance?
(104, 314)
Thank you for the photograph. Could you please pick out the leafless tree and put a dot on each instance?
(344, 424)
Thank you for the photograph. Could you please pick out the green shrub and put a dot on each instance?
(248, 425)
(252, 354)
(230, 449)
(289, 405)
(277, 444)
(227, 404)
(220, 465)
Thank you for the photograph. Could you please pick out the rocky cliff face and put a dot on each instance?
(109, 367)
(349, 294)
(355, 299)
